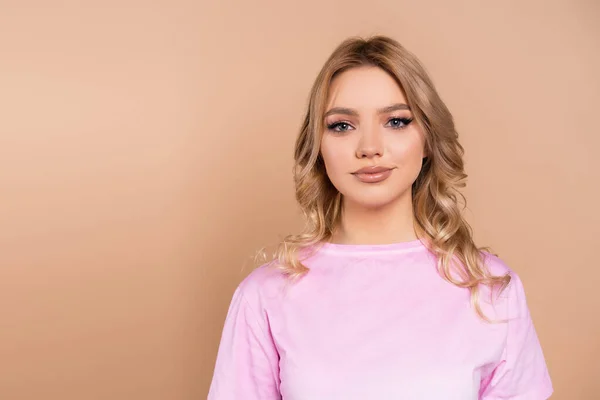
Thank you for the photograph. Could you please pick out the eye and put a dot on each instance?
(399, 123)
(339, 127)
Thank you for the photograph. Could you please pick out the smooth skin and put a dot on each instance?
(368, 123)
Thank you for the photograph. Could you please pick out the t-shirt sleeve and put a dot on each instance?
(247, 365)
(522, 373)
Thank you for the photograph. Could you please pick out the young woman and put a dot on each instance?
(385, 295)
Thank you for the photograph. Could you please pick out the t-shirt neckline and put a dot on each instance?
(372, 248)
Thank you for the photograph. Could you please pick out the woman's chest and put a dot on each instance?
(381, 345)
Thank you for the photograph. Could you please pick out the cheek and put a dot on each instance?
(409, 151)
(335, 155)
(408, 157)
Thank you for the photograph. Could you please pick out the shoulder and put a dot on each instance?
(263, 284)
(495, 265)
(498, 267)
(514, 293)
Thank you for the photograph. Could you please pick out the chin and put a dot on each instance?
(372, 201)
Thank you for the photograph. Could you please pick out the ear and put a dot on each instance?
(425, 154)
(425, 148)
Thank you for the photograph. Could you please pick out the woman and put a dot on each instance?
(385, 295)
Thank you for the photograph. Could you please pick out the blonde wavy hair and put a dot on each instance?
(437, 206)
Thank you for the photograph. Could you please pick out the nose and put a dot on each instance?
(370, 144)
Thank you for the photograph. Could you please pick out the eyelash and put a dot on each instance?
(404, 121)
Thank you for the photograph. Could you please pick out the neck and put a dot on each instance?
(391, 223)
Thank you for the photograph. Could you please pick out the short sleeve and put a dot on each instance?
(521, 373)
(247, 365)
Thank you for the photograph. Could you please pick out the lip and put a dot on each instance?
(373, 174)
(374, 169)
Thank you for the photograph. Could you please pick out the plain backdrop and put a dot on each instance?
(146, 154)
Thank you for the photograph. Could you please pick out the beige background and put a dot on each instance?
(146, 153)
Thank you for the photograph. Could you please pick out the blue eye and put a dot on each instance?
(399, 123)
(339, 126)
(394, 123)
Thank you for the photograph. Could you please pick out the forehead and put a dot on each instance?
(364, 88)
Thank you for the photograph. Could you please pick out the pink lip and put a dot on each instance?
(371, 170)
(373, 174)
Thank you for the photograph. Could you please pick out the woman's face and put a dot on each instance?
(373, 151)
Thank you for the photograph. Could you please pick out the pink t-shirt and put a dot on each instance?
(376, 322)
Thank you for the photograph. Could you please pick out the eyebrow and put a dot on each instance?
(354, 113)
